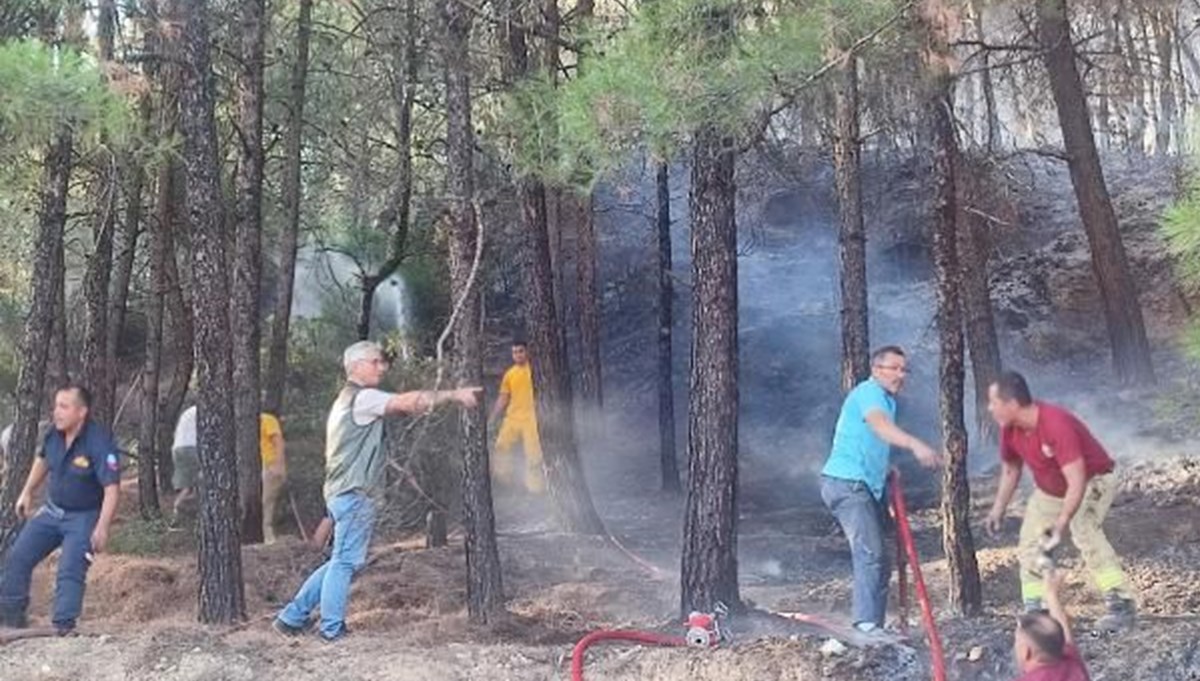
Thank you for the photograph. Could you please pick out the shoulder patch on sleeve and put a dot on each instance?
(112, 462)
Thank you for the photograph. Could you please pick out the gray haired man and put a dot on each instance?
(354, 463)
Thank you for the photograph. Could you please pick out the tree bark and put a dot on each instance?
(247, 270)
(966, 596)
(178, 319)
(547, 345)
(668, 462)
(58, 369)
(221, 594)
(485, 595)
(1122, 311)
(591, 386)
(276, 377)
(852, 238)
(973, 247)
(709, 562)
(96, 280)
(39, 325)
(148, 441)
(1164, 28)
(397, 216)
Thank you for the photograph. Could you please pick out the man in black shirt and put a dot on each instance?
(80, 458)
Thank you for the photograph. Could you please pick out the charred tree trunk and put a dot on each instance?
(709, 561)
(221, 594)
(591, 385)
(966, 596)
(247, 271)
(58, 369)
(852, 236)
(397, 216)
(485, 595)
(149, 451)
(178, 319)
(973, 247)
(551, 374)
(1122, 311)
(96, 280)
(39, 324)
(276, 377)
(668, 462)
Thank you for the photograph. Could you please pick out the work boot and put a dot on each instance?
(286, 630)
(1122, 612)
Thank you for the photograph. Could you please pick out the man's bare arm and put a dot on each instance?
(1054, 580)
(421, 401)
(37, 475)
(894, 435)
(1010, 477)
(499, 407)
(108, 509)
(1076, 475)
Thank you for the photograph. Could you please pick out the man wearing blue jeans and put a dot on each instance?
(354, 464)
(81, 460)
(852, 482)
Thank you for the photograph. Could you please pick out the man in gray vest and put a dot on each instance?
(354, 464)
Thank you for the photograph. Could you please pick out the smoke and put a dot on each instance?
(328, 285)
(789, 327)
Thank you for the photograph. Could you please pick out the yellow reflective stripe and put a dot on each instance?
(1033, 590)
(1109, 578)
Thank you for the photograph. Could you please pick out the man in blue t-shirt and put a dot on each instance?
(852, 482)
(80, 458)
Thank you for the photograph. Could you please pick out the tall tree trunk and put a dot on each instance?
(148, 442)
(551, 374)
(668, 462)
(1122, 311)
(58, 369)
(39, 324)
(852, 238)
(1164, 29)
(276, 377)
(122, 277)
(591, 385)
(96, 372)
(179, 320)
(397, 216)
(973, 247)
(709, 561)
(485, 595)
(221, 594)
(247, 271)
(966, 596)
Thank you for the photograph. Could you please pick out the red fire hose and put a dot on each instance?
(904, 534)
(646, 637)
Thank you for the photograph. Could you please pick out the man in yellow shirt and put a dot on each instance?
(274, 470)
(520, 423)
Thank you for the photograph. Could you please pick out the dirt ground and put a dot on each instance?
(408, 618)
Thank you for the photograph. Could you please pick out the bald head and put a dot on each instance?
(1040, 638)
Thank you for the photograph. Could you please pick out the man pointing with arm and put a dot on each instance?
(354, 464)
(854, 477)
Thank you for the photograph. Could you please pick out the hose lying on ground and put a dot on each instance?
(645, 637)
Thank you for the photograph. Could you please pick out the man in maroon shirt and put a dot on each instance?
(1043, 647)
(1075, 486)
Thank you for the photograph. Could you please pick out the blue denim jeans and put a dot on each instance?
(328, 587)
(50, 528)
(862, 518)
